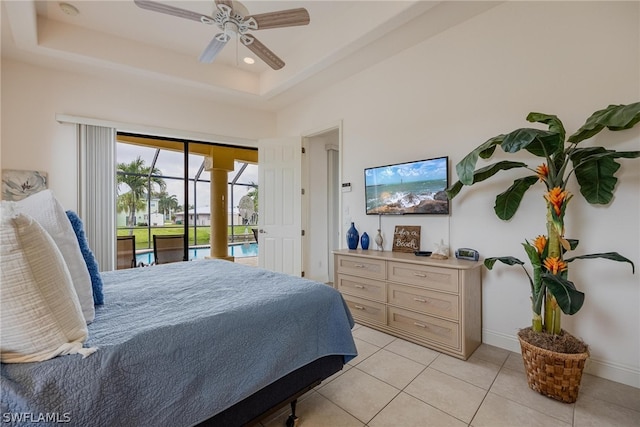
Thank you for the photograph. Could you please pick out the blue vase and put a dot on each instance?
(364, 241)
(352, 237)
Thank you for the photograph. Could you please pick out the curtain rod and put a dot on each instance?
(156, 131)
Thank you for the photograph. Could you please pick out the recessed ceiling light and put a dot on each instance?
(69, 9)
(249, 60)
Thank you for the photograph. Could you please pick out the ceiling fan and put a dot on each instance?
(233, 19)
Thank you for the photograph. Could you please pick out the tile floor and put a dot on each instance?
(396, 383)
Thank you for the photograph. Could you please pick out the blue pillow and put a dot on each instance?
(89, 258)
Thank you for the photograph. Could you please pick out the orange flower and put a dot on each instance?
(557, 197)
(542, 171)
(555, 264)
(540, 243)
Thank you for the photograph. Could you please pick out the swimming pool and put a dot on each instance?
(238, 250)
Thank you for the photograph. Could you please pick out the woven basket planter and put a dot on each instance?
(556, 375)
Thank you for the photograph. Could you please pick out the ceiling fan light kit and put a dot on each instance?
(233, 19)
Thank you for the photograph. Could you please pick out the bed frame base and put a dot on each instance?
(278, 394)
(292, 421)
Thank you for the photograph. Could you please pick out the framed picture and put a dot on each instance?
(406, 238)
(19, 184)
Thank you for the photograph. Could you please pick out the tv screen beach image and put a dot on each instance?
(408, 188)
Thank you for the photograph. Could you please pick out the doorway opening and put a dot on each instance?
(321, 206)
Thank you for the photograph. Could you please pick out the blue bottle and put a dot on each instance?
(364, 241)
(352, 237)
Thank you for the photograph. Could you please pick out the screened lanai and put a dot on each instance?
(167, 187)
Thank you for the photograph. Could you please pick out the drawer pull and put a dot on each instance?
(420, 300)
(358, 286)
(358, 307)
(419, 274)
(359, 265)
(420, 325)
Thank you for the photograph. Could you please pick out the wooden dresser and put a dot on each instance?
(435, 303)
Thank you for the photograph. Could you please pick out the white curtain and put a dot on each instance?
(97, 190)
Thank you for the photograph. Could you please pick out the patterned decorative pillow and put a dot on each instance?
(40, 312)
(89, 258)
(47, 210)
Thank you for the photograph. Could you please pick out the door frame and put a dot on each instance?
(306, 136)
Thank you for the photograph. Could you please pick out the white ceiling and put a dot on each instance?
(118, 38)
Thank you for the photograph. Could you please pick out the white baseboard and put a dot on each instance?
(611, 371)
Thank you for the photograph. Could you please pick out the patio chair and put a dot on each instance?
(126, 252)
(255, 234)
(168, 249)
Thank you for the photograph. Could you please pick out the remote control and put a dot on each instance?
(422, 253)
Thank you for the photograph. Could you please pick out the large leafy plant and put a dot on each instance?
(594, 169)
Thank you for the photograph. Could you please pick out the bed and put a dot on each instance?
(204, 342)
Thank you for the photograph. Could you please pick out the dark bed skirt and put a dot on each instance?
(276, 395)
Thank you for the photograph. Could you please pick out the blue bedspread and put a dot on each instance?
(178, 343)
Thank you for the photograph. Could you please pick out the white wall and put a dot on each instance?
(33, 139)
(449, 94)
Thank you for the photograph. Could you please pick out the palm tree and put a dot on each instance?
(139, 178)
(167, 203)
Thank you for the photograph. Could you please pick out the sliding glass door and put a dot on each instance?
(165, 188)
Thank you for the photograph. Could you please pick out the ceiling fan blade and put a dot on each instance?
(226, 2)
(213, 48)
(282, 18)
(174, 11)
(262, 51)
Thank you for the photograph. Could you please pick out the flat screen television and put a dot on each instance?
(416, 187)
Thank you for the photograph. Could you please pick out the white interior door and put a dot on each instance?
(280, 205)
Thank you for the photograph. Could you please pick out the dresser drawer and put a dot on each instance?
(366, 310)
(444, 279)
(363, 267)
(426, 327)
(424, 300)
(362, 287)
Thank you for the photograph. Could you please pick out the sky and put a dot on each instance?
(171, 164)
(424, 170)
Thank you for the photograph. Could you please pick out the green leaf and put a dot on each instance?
(488, 171)
(467, 165)
(582, 155)
(482, 174)
(508, 202)
(532, 253)
(453, 190)
(614, 117)
(486, 150)
(595, 169)
(555, 125)
(613, 256)
(541, 143)
(509, 260)
(536, 284)
(569, 298)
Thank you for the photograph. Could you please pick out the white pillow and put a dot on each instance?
(48, 211)
(39, 310)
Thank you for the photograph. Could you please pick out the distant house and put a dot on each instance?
(142, 216)
(202, 216)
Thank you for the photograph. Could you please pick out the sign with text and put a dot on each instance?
(406, 238)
